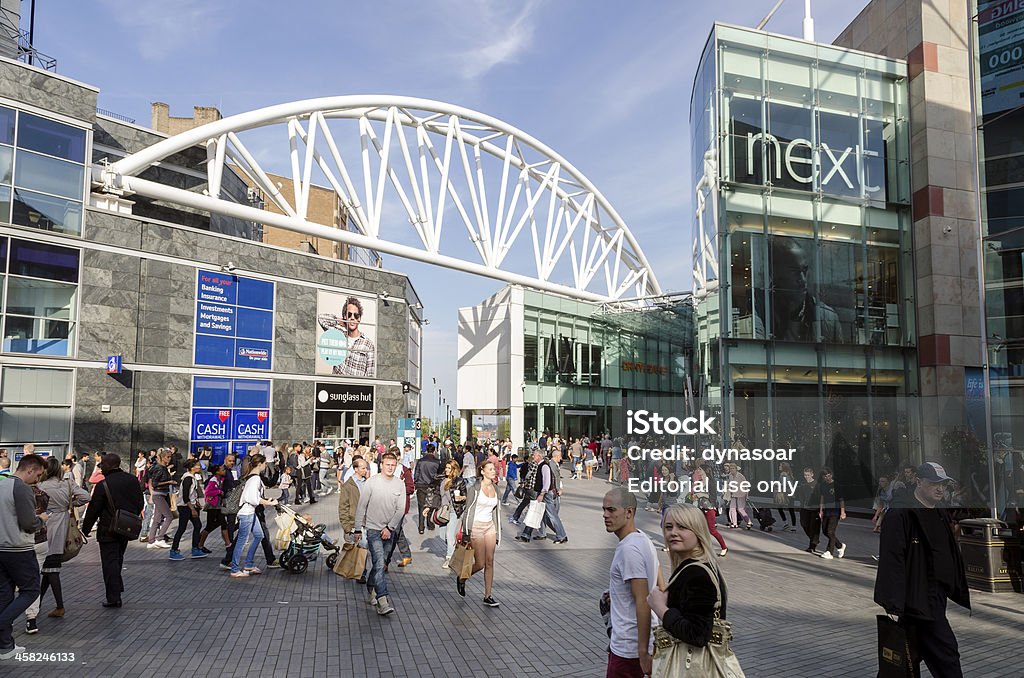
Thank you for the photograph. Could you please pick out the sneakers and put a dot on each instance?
(525, 540)
(30, 626)
(225, 567)
(748, 526)
(785, 526)
(511, 520)
(563, 540)
(504, 503)
(792, 528)
(239, 574)
(158, 544)
(56, 612)
(460, 586)
(371, 598)
(274, 563)
(841, 551)
(175, 555)
(384, 606)
(723, 553)
(199, 553)
(205, 550)
(827, 555)
(489, 601)
(9, 654)
(444, 565)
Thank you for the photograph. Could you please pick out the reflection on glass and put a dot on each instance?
(6, 160)
(46, 213)
(48, 175)
(5, 203)
(37, 336)
(6, 125)
(39, 260)
(42, 298)
(51, 137)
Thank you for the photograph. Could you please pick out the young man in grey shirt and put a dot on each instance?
(380, 512)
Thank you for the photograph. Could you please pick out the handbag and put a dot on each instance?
(534, 514)
(42, 500)
(124, 523)
(462, 561)
(74, 540)
(440, 516)
(352, 561)
(675, 659)
(285, 526)
(896, 658)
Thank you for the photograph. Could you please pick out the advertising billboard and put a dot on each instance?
(346, 335)
(1001, 54)
(234, 321)
(229, 414)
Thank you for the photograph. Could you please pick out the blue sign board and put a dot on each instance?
(113, 364)
(234, 321)
(229, 414)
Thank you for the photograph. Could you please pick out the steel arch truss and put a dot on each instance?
(530, 216)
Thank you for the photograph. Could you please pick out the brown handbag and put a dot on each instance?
(352, 561)
(462, 561)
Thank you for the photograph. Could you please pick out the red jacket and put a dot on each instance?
(409, 487)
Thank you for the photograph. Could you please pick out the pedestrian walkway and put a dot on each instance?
(793, 614)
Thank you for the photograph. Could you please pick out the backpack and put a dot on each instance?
(212, 494)
(233, 501)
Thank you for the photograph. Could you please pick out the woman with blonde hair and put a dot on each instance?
(696, 594)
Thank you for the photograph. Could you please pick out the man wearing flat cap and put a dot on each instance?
(920, 568)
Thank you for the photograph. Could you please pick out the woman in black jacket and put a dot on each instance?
(189, 508)
(687, 607)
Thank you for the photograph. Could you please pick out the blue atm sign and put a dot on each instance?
(234, 321)
(114, 364)
(250, 425)
(210, 424)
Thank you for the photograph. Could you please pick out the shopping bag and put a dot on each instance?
(74, 540)
(462, 561)
(895, 658)
(534, 514)
(352, 561)
(285, 523)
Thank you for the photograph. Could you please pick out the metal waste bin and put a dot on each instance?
(991, 555)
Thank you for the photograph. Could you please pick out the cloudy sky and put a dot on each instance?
(605, 84)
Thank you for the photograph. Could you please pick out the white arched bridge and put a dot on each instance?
(532, 218)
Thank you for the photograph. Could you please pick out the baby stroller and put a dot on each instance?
(764, 518)
(305, 544)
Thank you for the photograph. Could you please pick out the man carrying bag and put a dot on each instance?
(117, 506)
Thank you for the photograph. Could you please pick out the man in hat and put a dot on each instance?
(920, 568)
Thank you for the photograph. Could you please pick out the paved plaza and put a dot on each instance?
(793, 614)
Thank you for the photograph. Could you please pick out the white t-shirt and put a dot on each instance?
(484, 508)
(635, 558)
(251, 495)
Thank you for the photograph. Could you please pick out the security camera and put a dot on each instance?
(228, 267)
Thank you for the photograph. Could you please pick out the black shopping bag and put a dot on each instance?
(895, 657)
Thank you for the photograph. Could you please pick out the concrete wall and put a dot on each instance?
(932, 36)
(144, 308)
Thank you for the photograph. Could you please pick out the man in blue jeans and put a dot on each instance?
(548, 486)
(18, 566)
(380, 512)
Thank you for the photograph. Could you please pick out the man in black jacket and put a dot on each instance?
(126, 494)
(919, 568)
(427, 480)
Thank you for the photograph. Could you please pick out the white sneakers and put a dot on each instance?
(841, 551)
(9, 654)
(827, 555)
(785, 525)
(444, 565)
(384, 606)
(158, 544)
(372, 598)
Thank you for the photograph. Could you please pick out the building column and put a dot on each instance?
(465, 425)
(517, 421)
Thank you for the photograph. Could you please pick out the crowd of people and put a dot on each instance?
(457, 491)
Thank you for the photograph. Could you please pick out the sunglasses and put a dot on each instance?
(351, 316)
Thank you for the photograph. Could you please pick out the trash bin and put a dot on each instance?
(991, 555)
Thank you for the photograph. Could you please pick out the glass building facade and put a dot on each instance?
(999, 102)
(584, 364)
(803, 277)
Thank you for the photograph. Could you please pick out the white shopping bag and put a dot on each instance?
(534, 514)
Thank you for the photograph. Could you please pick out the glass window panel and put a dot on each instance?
(211, 392)
(792, 310)
(790, 163)
(49, 175)
(530, 358)
(6, 125)
(51, 137)
(35, 424)
(838, 288)
(253, 393)
(741, 69)
(33, 385)
(790, 80)
(38, 260)
(838, 141)
(883, 294)
(748, 145)
(44, 212)
(747, 286)
(6, 160)
(5, 204)
(38, 336)
(838, 90)
(3, 254)
(41, 298)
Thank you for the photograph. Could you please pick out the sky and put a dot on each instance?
(605, 84)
